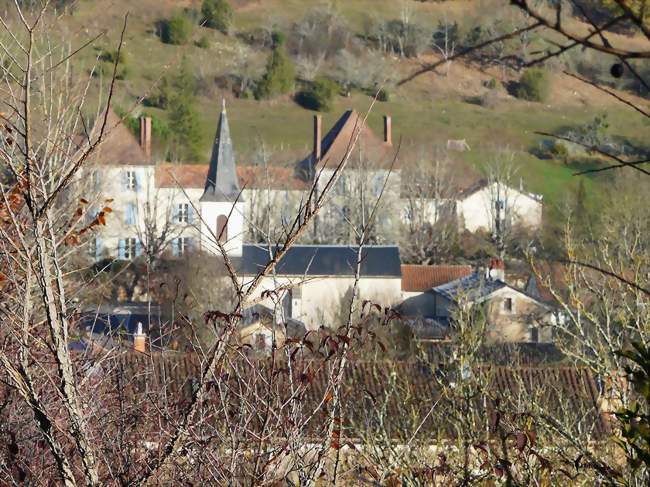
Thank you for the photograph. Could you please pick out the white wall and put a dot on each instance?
(210, 212)
(110, 183)
(322, 298)
(476, 212)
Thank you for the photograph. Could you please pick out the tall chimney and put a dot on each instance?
(318, 137)
(140, 340)
(145, 135)
(388, 130)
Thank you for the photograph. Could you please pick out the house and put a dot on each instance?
(489, 204)
(261, 325)
(144, 215)
(314, 283)
(510, 314)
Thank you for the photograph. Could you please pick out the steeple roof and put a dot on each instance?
(222, 182)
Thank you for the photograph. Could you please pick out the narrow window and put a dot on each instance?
(183, 213)
(222, 228)
(130, 248)
(507, 305)
(130, 180)
(131, 211)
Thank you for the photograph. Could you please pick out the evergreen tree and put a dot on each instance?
(217, 14)
(184, 121)
(279, 76)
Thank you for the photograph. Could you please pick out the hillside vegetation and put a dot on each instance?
(359, 45)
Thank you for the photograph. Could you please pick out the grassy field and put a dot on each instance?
(428, 111)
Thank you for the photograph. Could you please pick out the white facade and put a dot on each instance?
(320, 300)
(140, 213)
(480, 209)
(224, 221)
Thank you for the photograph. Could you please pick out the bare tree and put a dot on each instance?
(502, 198)
(444, 40)
(429, 223)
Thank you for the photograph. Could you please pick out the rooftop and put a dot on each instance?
(471, 288)
(193, 176)
(325, 260)
(120, 146)
(418, 278)
(338, 141)
(222, 183)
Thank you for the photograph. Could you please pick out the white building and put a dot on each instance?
(165, 205)
(481, 206)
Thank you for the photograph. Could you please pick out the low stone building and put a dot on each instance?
(510, 314)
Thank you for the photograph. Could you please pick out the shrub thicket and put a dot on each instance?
(203, 42)
(217, 14)
(177, 30)
(534, 85)
(383, 95)
(279, 76)
(319, 96)
(110, 56)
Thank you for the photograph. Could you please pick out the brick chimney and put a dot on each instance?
(140, 340)
(145, 135)
(318, 137)
(497, 269)
(388, 130)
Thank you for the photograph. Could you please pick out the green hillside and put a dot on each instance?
(426, 112)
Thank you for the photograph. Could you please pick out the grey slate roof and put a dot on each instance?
(472, 288)
(222, 183)
(325, 260)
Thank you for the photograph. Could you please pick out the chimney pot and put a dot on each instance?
(388, 130)
(140, 340)
(318, 137)
(145, 135)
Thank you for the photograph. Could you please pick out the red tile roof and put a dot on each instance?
(251, 177)
(417, 278)
(569, 392)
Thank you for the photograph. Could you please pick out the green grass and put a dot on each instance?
(419, 116)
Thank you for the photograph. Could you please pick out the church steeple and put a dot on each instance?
(222, 182)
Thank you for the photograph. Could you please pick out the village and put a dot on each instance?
(183, 208)
(290, 243)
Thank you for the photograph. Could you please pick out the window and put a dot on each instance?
(222, 228)
(183, 213)
(131, 212)
(534, 334)
(507, 305)
(130, 248)
(131, 180)
(180, 246)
